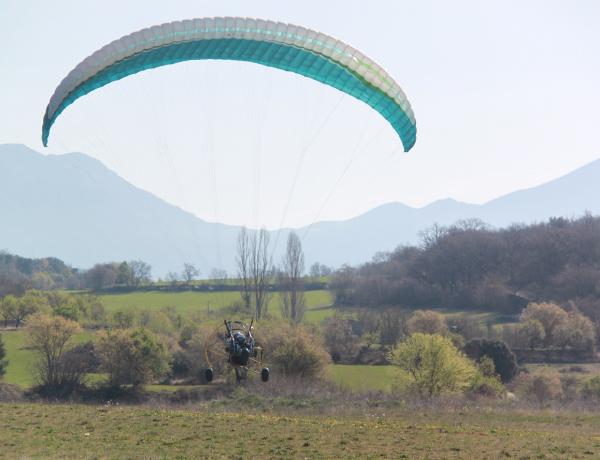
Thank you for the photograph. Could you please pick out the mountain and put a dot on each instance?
(72, 207)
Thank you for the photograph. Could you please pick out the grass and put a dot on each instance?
(318, 302)
(31, 430)
(363, 377)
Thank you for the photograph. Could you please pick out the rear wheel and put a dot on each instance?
(208, 374)
(264, 374)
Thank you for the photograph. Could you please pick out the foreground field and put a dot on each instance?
(75, 431)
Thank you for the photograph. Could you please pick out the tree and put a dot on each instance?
(132, 356)
(550, 315)
(433, 364)
(531, 333)
(31, 302)
(173, 278)
(124, 275)
(260, 264)
(577, 332)
(218, 274)
(50, 337)
(293, 302)
(189, 273)
(3, 361)
(504, 360)
(8, 305)
(243, 265)
(318, 270)
(140, 272)
(427, 322)
(101, 276)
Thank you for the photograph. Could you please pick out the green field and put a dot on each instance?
(364, 377)
(78, 431)
(318, 302)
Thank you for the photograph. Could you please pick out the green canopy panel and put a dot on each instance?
(273, 44)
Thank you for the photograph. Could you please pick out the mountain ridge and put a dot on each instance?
(73, 207)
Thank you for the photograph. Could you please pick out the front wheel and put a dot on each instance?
(264, 374)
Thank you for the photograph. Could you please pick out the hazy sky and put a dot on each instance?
(506, 96)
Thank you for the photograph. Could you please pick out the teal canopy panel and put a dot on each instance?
(269, 43)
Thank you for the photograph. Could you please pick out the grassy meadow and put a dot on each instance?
(318, 302)
(74, 431)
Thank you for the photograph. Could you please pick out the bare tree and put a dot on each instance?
(189, 273)
(260, 264)
(172, 278)
(218, 274)
(243, 264)
(140, 272)
(293, 302)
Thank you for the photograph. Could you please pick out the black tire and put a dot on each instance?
(264, 374)
(208, 375)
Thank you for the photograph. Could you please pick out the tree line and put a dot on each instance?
(469, 265)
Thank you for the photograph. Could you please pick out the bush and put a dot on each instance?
(505, 362)
(434, 364)
(190, 361)
(590, 389)
(85, 353)
(543, 387)
(340, 340)
(56, 370)
(485, 386)
(132, 356)
(293, 351)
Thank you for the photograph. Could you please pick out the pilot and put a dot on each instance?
(240, 350)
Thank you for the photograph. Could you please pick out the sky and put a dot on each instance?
(505, 94)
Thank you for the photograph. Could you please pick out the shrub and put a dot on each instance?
(340, 340)
(485, 386)
(294, 351)
(543, 387)
(51, 338)
(427, 322)
(132, 356)
(433, 364)
(505, 362)
(190, 361)
(85, 353)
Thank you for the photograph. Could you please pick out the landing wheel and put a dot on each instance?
(215, 357)
(264, 374)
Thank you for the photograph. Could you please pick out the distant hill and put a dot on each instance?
(72, 207)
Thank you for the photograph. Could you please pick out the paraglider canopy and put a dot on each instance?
(274, 44)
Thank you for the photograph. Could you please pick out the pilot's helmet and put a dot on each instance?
(239, 338)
